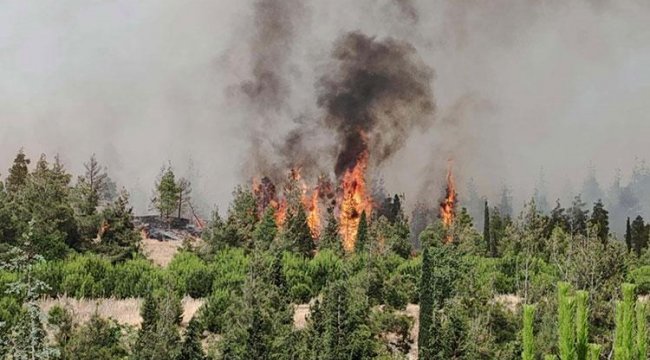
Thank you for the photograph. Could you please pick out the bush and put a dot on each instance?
(192, 275)
(324, 268)
(135, 278)
(296, 273)
(228, 269)
(641, 278)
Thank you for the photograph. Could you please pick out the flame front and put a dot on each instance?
(313, 213)
(448, 205)
(354, 200)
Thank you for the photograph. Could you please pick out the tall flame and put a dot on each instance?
(448, 205)
(354, 200)
(313, 213)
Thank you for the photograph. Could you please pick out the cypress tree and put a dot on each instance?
(528, 340)
(582, 324)
(624, 336)
(486, 229)
(641, 330)
(361, 244)
(566, 335)
(639, 235)
(426, 307)
(628, 235)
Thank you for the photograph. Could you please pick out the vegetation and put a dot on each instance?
(543, 284)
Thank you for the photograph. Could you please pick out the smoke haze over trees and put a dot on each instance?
(553, 85)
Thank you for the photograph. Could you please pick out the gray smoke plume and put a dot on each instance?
(407, 8)
(379, 90)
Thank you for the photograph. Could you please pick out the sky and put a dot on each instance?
(520, 87)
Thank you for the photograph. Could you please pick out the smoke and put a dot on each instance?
(379, 92)
(270, 51)
(408, 9)
(235, 86)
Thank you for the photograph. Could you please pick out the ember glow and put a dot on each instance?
(354, 200)
(448, 205)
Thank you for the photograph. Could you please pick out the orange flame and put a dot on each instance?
(354, 200)
(313, 213)
(448, 205)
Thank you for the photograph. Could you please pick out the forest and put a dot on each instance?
(375, 284)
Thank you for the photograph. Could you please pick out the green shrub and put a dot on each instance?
(192, 275)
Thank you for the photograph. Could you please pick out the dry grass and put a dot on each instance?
(510, 301)
(300, 316)
(160, 252)
(124, 311)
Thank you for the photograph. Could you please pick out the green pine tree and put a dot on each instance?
(628, 235)
(361, 244)
(330, 238)
(426, 306)
(486, 229)
(166, 193)
(266, 230)
(297, 235)
(600, 219)
(18, 173)
(191, 349)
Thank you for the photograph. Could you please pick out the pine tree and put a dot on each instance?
(266, 230)
(361, 244)
(184, 188)
(426, 307)
(92, 186)
(600, 219)
(578, 217)
(297, 235)
(191, 349)
(166, 193)
(45, 200)
(242, 218)
(27, 339)
(486, 229)
(628, 235)
(528, 340)
(118, 236)
(18, 173)
(330, 238)
(158, 336)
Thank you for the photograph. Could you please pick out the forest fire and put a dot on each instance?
(313, 213)
(448, 205)
(354, 201)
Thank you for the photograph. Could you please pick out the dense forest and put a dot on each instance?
(550, 283)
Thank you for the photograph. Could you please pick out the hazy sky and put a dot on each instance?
(519, 85)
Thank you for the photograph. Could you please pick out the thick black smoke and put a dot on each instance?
(377, 93)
